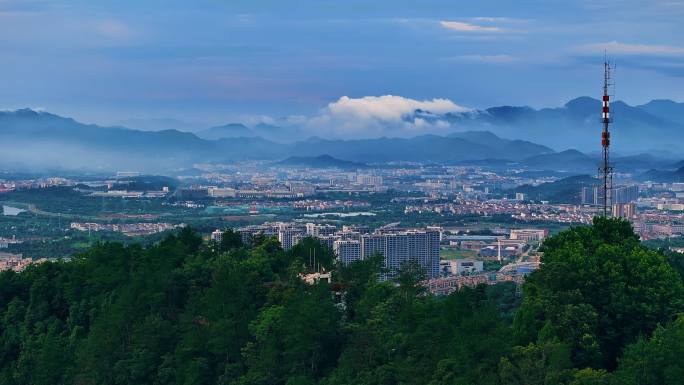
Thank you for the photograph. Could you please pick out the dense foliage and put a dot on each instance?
(598, 291)
(602, 310)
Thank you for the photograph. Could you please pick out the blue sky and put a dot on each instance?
(209, 62)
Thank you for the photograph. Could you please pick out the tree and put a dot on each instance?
(655, 361)
(297, 339)
(178, 312)
(310, 252)
(599, 289)
(230, 240)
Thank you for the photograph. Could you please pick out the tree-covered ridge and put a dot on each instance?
(599, 290)
(602, 310)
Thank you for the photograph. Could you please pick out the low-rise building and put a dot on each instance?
(529, 235)
(217, 235)
(466, 266)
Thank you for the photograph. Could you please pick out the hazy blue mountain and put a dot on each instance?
(575, 161)
(676, 165)
(664, 108)
(568, 160)
(39, 140)
(159, 124)
(506, 148)
(566, 190)
(279, 133)
(269, 132)
(639, 162)
(488, 162)
(663, 176)
(577, 124)
(425, 148)
(321, 161)
(232, 130)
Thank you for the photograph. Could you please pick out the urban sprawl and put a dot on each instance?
(464, 225)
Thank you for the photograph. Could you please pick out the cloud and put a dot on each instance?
(372, 116)
(389, 107)
(468, 27)
(489, 19)
(617, 48)
(675, 69)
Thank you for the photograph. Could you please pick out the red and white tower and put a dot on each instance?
(606, 169)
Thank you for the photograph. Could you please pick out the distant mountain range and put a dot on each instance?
(38, 140)
(232, 130)
(658, 124)
(566, 190)
(667, 176)
(321, 161)
(564, 160)
(239, 130)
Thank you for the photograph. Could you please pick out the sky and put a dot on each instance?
(207, 62)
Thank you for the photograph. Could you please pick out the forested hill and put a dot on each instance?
(601, 310)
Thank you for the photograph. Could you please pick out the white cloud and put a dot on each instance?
(388, 107)
(617, 48)
(372, 116)
(489, 19)
(468, 27)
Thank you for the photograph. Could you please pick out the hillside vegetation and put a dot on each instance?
(602, 310)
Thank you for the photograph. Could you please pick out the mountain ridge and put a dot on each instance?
(68, 143)
(476, 135)
(321, 161)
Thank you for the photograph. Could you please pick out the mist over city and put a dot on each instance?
(317, 192)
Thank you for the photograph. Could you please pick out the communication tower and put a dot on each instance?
(606, 169)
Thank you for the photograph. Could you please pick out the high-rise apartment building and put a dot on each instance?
(624, 210)
(347, 251)
(400, 247)
(589, 196)
(369, 180)
(316, 230)
(287, 234)
(395, 245)
(625, 194)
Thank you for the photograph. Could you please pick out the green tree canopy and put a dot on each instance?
(599, 290)
(186, 312)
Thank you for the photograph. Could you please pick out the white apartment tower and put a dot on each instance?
(400, 247)
(347, 251)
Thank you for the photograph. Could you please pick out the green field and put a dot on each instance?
(450, 254)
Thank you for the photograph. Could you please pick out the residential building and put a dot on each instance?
(625, 194)
(347, 251)
(624, 210)
(466, 266)
(401, 247)
(217, 235)
(287, 234)
(316, 230)
(529, 235)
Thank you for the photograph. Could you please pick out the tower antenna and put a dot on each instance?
(606, 169)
